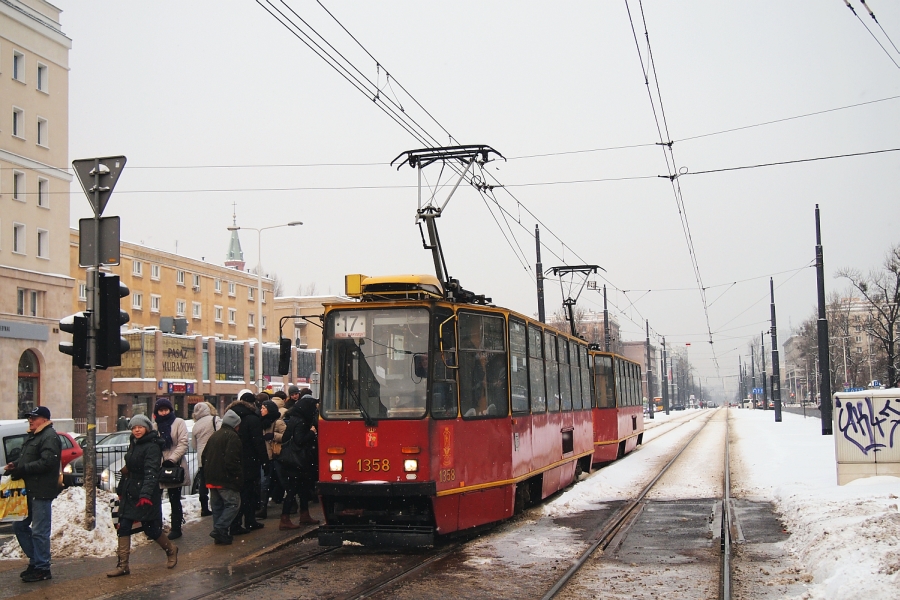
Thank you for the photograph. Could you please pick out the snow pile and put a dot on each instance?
(68, 537)
(846, 537)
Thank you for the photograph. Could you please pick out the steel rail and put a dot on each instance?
(624, 517)
(383, 582)
(726, 521)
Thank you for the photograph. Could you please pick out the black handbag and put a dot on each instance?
(293, 455)
(170, 474)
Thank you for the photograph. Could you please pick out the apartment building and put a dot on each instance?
(35, 287)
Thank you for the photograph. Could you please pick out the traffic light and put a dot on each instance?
(77, 325)
(284, 356)
(110, 343)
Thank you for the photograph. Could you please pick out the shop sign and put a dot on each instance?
(179, 358)
(180, 387)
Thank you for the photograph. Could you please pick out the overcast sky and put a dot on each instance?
(217, 104)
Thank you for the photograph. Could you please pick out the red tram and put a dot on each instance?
(438, 417)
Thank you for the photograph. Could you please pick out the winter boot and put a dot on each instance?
(286, 524)
(171, 550)
(304, 519)
(262, 513)
(177, 521)
(122, 553)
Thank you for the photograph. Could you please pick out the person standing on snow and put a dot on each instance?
(140, 497)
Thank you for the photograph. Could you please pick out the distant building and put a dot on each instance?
(35, 286)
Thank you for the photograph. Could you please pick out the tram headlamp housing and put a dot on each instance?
(336, 465)
(410, 465)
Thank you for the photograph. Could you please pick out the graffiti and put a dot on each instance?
(867, 426)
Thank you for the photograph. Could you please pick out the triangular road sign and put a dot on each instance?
(98, 177)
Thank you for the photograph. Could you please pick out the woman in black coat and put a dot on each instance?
(140, 497)
(300, 430)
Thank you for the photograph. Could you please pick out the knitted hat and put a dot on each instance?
(231, 419)
(141, 420)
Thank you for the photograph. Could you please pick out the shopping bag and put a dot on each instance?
(136, 527)
(13, 500)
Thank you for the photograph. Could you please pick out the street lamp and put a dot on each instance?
(259, 316)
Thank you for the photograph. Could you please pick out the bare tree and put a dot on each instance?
(278, 285)
(308, 290)
(881, 289)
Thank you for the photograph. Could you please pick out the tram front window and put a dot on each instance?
(374, 364)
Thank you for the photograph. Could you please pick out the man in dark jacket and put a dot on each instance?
(253, 456)
(224, 475)
(38, 465)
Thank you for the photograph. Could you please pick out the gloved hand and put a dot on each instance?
(144, 502)
(269, 436)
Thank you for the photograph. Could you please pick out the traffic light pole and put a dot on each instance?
(93, 294)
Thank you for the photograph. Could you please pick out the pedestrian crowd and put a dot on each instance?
(263, 448)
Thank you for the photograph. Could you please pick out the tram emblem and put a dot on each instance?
(371, 439)
(446, 447)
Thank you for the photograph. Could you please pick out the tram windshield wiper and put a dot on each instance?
(369, 421)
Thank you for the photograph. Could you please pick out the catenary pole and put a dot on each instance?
(822, 330)
(776, 368)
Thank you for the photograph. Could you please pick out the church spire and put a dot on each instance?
(235, 256)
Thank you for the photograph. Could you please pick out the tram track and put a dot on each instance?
(618, 525)
(253, 577)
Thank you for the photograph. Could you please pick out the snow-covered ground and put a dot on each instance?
(68, 537)
(846, 537)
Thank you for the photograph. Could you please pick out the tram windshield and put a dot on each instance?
(375, 364)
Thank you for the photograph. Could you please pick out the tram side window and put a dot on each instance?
(482, 366)
(604, 383)
(443, 388)
(565, 375)
(585, 378)
(518, 366)
(537, 393)
(551, 360)
(621, 390)
(639, 390)
(575, 367)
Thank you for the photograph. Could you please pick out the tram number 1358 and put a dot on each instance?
(366, 465)
(447, 475)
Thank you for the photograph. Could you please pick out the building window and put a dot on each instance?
(232, 316)
(179, 308)
(264, 296)
(219, 314)
(18, 66)
(29, 384)
(179, 277)
(20, 302)
(218, 286)
(42, 139)
(137, 301)
(195, 310)
(42, 77)
(232, 337)
(18, 123)
(264, 321)
(196, 282)
(154, 272)
(43, 243)
(137, 268)
(34, 303)
(43, 192)
(154, 303)
(19, 186)
(82, 292)
(250, 320)
(18, 238)
(232, 289)
(250, 293)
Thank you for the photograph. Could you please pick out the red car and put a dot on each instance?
(70, 449)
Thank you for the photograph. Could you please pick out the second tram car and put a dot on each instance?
(441, 416)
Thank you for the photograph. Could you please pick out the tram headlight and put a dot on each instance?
(411, 465)
(336, 465)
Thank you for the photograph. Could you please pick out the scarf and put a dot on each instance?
(164, 426)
